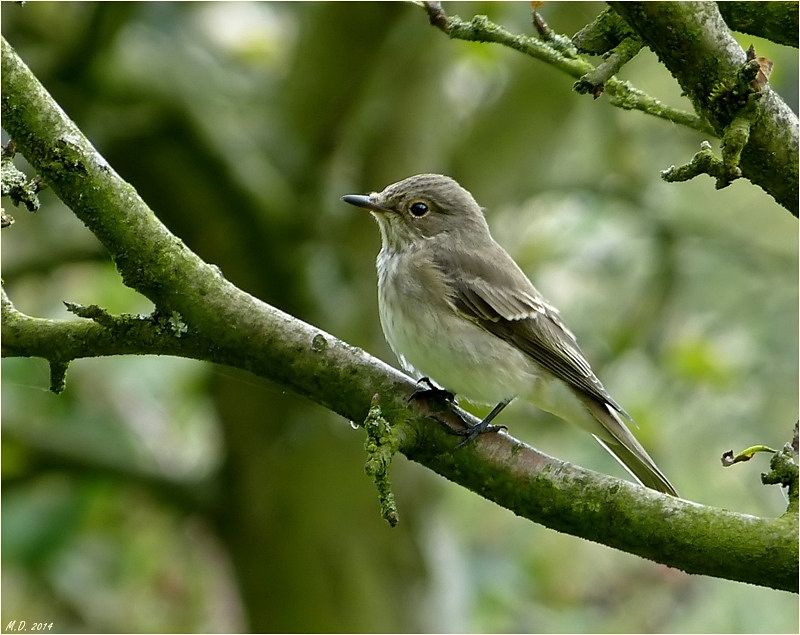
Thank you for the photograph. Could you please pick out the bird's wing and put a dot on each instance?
(497, 296)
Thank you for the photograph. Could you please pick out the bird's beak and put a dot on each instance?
(365, 202)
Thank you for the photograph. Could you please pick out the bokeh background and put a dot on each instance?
(166, 495)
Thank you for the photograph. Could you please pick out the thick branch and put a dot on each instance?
(220, 323)
(694, 538)
(776, 21)
(692, 40)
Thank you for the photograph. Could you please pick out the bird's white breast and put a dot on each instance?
(432, 340)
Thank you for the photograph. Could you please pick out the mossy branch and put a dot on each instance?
(595, 81)
(561, 54)
(16, 186)
(775, 21)
(692, 40)
(209, 318)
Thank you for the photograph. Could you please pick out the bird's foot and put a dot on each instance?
(425, 388)
(471, 432)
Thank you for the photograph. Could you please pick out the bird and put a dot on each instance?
(457, 310)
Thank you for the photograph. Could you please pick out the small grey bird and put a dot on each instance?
(456, 308)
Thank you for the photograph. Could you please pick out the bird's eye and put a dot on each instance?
(418, 209)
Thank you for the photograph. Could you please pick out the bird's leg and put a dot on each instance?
(426, 389)
(470, 432)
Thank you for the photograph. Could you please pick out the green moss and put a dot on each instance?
(383, 441)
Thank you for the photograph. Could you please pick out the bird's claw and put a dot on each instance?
(468, 432)
(426, 389)
(471, 432)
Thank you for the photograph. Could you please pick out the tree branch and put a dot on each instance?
(692, 40)
(776, 21)
(211, 319)
(562, 55)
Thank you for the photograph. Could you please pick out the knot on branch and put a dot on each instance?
(158, 323)
(92, 312)
(437, 16)
(728, 99)
(783, 470)
(58, 375)
(558, 42)
(16, 185)
(602, 35)
(783, 466)
(725, 170)
(594, 81)
(733, 102)
(610, 36)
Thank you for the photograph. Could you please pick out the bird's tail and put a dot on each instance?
(618, 440)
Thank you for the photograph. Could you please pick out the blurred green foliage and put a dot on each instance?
(166, 495)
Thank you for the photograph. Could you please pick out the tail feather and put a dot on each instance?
(624, 447)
